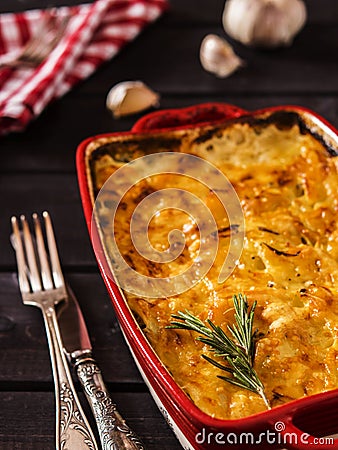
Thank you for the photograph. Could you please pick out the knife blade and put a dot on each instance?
(112, 428)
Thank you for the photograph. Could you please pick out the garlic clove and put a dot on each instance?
(217, 56)
(265, 23)
(266, 32)
(239, 18)
(130, 97)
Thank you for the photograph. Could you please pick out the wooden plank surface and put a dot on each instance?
(192, 11)
(171, 69)
(44, 148)
(26, 193)
(23, 344)
(37, 172)
(29, 421)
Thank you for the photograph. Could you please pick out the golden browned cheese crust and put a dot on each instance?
(288, 187)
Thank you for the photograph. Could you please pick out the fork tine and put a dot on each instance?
(37, 40)
(44, 265)
(61, 28)
(31, 258)
(40, 45)
(48, 37)
(20, 257)
(53, 252)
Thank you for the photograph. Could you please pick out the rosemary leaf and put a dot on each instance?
(237, 350)
(217, 364)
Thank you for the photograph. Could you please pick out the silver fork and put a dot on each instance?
(40, 45)
(41, 284)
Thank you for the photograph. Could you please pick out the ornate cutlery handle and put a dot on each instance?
(113, 430)
(72, 428)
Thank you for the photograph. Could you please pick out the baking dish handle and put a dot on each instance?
(202, 114)
(293, 438)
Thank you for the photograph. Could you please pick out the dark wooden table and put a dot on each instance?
(37, 172)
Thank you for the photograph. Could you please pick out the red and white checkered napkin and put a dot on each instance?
(95, 33)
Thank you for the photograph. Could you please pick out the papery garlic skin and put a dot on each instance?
(218, 57)
(130, 97)
(264, 23)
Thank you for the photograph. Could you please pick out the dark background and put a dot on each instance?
(37, 172)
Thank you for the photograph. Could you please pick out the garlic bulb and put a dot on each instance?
(130, 97)
(265, 23)
(218, 57)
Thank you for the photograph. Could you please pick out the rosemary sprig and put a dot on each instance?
(238, 351)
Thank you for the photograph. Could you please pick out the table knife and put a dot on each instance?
(113, 431)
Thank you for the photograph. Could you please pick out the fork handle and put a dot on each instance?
(72, 428)
(113, 430)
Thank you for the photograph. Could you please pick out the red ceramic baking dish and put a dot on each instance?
(298, 424)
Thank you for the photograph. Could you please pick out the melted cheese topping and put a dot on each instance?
(287, 184)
